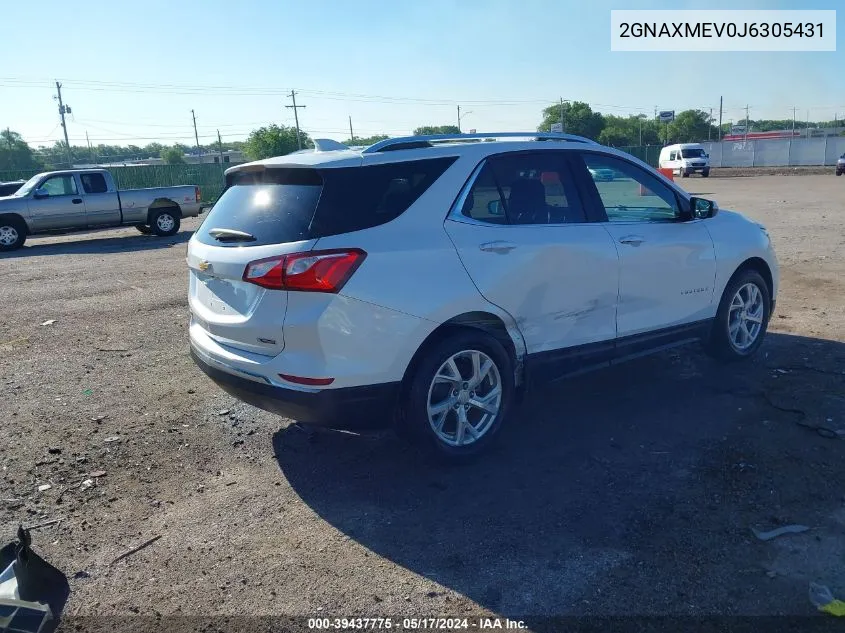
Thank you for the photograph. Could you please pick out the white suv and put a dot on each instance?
(426, 282)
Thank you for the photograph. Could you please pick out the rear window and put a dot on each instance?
(291, 204)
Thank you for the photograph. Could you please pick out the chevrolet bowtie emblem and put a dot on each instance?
(204, 266)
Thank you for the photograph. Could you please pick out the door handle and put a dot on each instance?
(77, 201)
(632, 240)
(498, 246)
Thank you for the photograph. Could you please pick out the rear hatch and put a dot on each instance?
(256, 246)
(261, 215)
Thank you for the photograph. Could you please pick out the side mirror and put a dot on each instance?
(40, 193)
(702, 209)
(494, 207)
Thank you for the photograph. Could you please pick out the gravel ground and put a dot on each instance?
(630, 491)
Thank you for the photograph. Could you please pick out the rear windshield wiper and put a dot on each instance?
(230, 235)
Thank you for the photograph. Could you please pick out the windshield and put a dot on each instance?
(28, 186)
(693, 153)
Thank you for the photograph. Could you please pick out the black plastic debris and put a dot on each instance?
(32, 591)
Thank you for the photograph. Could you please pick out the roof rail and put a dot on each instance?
(408, 142)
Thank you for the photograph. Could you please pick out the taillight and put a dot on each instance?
(197, 194)
(313, 271)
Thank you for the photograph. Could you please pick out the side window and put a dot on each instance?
(525, 189)
(357, 198)
(60, 186)
(484, 202)
(94, 183)
(673, 155)
(629, 193)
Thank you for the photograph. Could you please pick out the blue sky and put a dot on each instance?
(390, 65)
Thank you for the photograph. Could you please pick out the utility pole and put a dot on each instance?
(90, 153)
(459, 118)
(196, 136)
(720, 119)
(562, 124)
(296, 118)
(793, 120)
(808, 124)
(745, 140)
(63, 109)
(351, 133)
(640, 117)
(220, 148)
(709, 124)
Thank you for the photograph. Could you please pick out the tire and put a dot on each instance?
(454, 441)
(705, 173)
(12, 234)
(143, 228)
(684, 173)
(838, 173)
(165, 222)
(734, 306)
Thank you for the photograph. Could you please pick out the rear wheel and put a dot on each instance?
(12, 234)
(165, 222)
(742, 318)
(459, 395)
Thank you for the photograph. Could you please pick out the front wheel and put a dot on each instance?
(838, 173)
(705, 173)
(459, 395)
(742, 318)
(12, 234)
(165, 222)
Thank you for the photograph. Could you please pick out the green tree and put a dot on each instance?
(15, 153)
(274, 140)
(173, 156)
(369, 140)
(428, 130)
(691, 126)
(578, 118)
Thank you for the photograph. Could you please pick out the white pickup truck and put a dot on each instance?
(81, 199)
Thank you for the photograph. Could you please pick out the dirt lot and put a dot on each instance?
(631, 491)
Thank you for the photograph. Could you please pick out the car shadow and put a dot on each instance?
(88, 245)
(596, 500)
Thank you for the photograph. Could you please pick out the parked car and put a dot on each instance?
(685, 159)
(840, 165)
(8, 188)
(88, 199)
(602, 175)
(426, 282)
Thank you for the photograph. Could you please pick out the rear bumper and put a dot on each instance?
(352, 408)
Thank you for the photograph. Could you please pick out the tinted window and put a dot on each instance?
(358, 198)
(290, 204)
(9, 188)
(94, 183)
(632, 194)
(60, 186)
(525, 189)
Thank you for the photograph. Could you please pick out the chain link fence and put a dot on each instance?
(760, 153)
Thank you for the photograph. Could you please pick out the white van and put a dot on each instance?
(685, 159)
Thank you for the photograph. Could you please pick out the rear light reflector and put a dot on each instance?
(311, 382)
(313, 271)
(198, 194)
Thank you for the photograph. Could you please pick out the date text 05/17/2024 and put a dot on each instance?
(415, 624)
